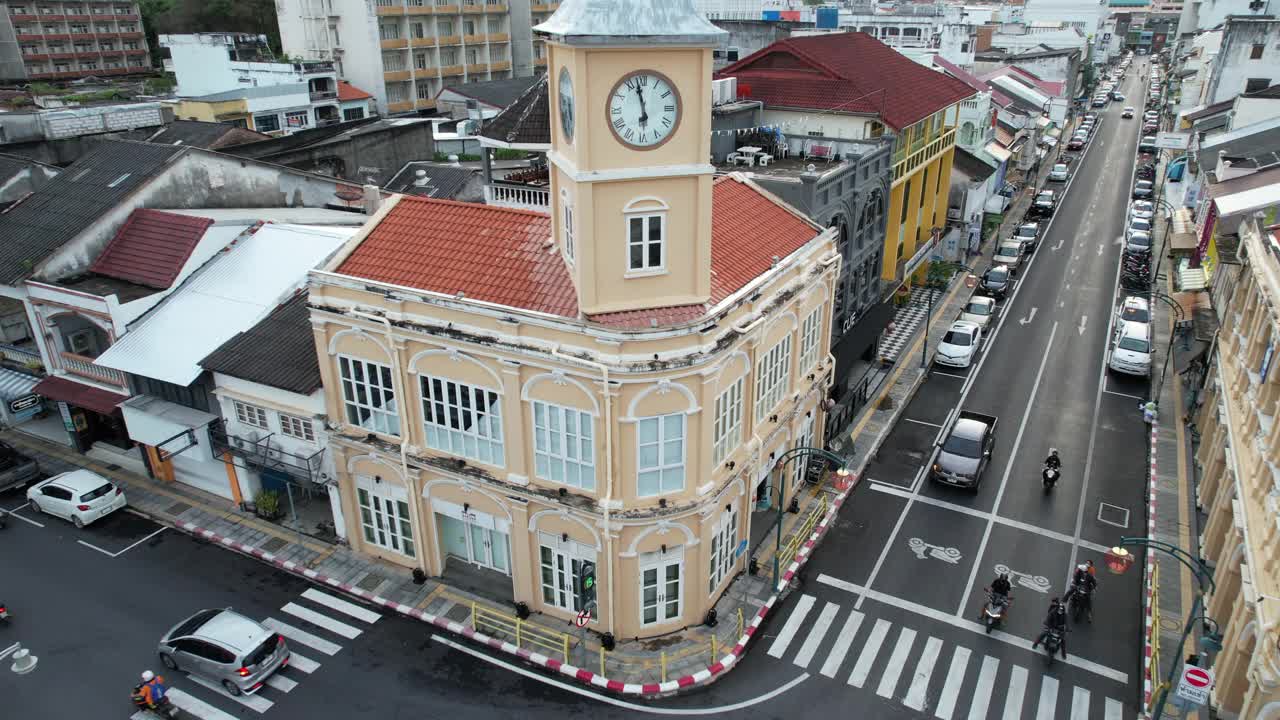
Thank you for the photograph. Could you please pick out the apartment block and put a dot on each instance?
(405, 51)
(50, 40)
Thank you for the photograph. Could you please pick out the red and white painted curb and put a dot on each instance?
(582, 675)
(1148, 683)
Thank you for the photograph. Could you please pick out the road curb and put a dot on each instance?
(1149, 673)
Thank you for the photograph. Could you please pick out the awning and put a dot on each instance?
(14, 385)
(1190, 278)
(71, 392)
(858, 338)
(998, 151)
(163, 425)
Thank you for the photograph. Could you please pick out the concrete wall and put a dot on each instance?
(360, 62)
(1233, 67)
(748, 36)
(373, 157)
(11, 66)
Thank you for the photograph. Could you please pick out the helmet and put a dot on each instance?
(1053, 452)
(148, 676)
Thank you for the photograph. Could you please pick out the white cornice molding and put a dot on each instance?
(656, 171)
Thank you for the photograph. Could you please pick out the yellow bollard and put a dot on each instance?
(519, 633)
(663, 660)
(602, 673)
(714, 643)
(473, 616)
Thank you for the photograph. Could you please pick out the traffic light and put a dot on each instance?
(585, 585)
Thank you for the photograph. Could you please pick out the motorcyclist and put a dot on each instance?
(1000, 590)
(1055, 621)
(1083, 582)
(152, 690)
(1053, 461)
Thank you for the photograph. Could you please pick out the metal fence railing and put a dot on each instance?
(802, 533)
(522, 633)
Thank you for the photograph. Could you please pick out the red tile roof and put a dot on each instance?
(505, 256)
(98, 400)
(151, 247)
(845, 72)
(347, 91)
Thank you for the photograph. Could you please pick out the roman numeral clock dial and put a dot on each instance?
(643, 109)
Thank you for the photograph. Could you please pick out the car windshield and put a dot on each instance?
(1140, 224)
(1140, 239)
(1044, 197)
(961, 338)
(997, 274)
(962, 446)
(1135, 344)
(1135, 314)
(978, 309)
(1025, 232)
(1059, 168)
(1144, 184)
(1007, 251)
(97, 492)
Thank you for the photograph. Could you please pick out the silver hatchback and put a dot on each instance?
(226, 647)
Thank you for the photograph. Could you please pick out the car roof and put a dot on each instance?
(1133, 328)
(1135, 301)
(79, 481)
(969, 429)
(967, 325)
(233, 630)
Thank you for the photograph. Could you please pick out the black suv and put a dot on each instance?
(1044, 204)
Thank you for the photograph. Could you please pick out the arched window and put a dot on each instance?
(646, 228)
(966, 133)
(566, 225)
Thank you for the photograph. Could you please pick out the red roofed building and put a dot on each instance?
(516, 393)
(354, 103)
(851, 86)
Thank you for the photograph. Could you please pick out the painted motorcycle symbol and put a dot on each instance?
(923, 549)
(1039, 583)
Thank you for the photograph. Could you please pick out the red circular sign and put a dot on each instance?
(583, 618)
(1196, 677)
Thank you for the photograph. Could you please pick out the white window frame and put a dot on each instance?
(479, 433)
(728, 422)
(566, 559)
(566, 228)
(564, 436)
(664, 465)
(384, 516)
(297, 427)
(810, 330)
(251, 415)
(660, 562)
(773, 377)
(645, 211)
(380, 418)
(724, 543)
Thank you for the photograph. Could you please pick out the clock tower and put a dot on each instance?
(631, 178)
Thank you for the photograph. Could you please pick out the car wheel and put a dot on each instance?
(167, 660)
(232, 688)
(35, 507)
(75, 520)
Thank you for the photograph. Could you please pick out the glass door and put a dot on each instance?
(660, 586)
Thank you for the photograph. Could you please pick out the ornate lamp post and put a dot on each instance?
(842, 472)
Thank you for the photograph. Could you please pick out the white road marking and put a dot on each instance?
(324, 621)
(868, 656)
(255, 703)
(195, 706)
(924, 671)
(922, 422)
(622, 703)
(1084, 321)
(302, 663)
(1114, 710)
(843, 641)
(1080, 703)
(302, 636)
(14, 514)
(816, 633)
(955, 679)
(281, 683)
(121, 552)
(798, 613)
(950, 375)
(982, 692)
(1017, 689)
(1048, 697)
(1027, 320)
(1008, 468)
(1125, 395)
(901, 650)
(341, 605)
(970, 625)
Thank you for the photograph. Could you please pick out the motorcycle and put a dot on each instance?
(1077, 600)
(162, 709)
(1052, 643)
(1050, 478)
(993, 612)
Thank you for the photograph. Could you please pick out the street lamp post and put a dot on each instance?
(1118, 560)
(1160, 202)
(928, 318)
(1179, 317)
(781, 464)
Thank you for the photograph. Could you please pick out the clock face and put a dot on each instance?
(643, 109)
(566, 103)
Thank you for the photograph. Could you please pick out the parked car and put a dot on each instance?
(1141, 210)
(225, 647)
(1150, 126)
(16, 469)
(996, 281)
(1099, 101)
(979, 310)
(960, 345)
(80, 496)
(962, 457)
(1117, 96)
(1075, 143)
(1134, 309)
(1137, 242)
(1008, 254)
(1131, 349)
(1127, 112)
(1028, 234)
(1145, 171)
(1143, 189)
(1147, 144)
(1090, 116)
(1059, 173)
(1044, 204)
(1151, 115)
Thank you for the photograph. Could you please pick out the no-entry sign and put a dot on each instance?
(1195, 684)
(583, 618)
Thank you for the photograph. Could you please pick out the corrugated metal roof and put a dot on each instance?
(232, 293)
(261, 91)
(14, 384)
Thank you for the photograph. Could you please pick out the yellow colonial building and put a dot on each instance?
(513, 393)
(1239, 458)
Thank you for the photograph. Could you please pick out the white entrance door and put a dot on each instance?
(561, 564)
(661, 586)
(489, 548)
(476, 537)
(800, 465)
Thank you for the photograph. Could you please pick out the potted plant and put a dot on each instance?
(266, 504)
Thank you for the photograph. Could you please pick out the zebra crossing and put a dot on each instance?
(911, 666)
(321, 616)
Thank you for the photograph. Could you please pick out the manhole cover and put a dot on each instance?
(1113, 515)
(273, 544)
(370, 581)
(459, 613)
(178, 508)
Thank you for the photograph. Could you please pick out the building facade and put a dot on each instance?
(507, 404)
(52, 40)
(1248, 59)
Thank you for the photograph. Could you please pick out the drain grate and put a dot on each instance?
(113, 467)
(370, 582)
(1113, 515)
(178, 508)
(459, 613)
(273, 544)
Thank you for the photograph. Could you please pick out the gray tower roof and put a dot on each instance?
(606, 22)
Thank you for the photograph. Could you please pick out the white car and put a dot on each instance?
(959, 345)
(1059, 173)
(1134, 309)
(79, 496)
(1137, 242)
(1141, 210)
(1009, 254)
(1131, 349)
(1127, 112)
(979, 311)
(1139, 225)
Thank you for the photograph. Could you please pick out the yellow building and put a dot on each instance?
(513, 393)
(1239, 458)
(832, 89)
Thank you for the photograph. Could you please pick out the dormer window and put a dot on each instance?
(646, 226)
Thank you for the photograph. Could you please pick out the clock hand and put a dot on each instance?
(644, 114)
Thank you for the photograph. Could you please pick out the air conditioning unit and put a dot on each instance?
(239, 443)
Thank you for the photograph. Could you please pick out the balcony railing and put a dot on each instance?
(264, 454)
(85, 367)
(317, 95)
(927, 151)
(525, 197)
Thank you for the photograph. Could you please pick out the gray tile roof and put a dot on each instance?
(495, 93)
(442, 181)
(279, 351)
(525, 121)
(11, 165)
(197, 133)
(36, 227)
